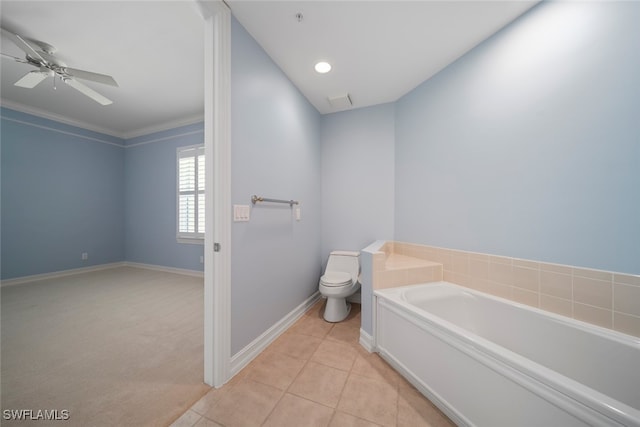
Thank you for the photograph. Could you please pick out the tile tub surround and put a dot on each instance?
(392, 269)
(602, 298)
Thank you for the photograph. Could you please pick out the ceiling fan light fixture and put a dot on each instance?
(46, 71)
(322, 67)
(40, 55)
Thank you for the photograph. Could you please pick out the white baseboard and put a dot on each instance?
(62, 273)
(253, 349)
(366, 341)
(175, 270)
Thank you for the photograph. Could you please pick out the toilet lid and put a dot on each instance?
(335, 278)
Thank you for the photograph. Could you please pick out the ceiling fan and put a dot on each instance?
(40, 55)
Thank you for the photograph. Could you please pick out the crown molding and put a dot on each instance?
(57, 118)
(164, 126)
(38, 112)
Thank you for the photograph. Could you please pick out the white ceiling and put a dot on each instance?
(379, 50)
(152, 49)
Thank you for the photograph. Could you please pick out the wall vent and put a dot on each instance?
(341, 101)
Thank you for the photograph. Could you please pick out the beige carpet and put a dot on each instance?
(117, 347)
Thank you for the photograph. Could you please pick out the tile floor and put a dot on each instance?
(316, 374)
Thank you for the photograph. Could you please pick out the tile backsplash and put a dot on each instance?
(603, 298)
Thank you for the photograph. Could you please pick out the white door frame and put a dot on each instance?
(217, 242)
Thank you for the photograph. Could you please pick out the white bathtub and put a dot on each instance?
(487, 361)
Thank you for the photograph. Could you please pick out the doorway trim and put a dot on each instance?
(217, 137)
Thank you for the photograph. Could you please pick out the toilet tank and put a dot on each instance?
(346, 262)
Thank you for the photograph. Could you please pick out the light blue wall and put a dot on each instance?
(529, 146)
(68, 190)
(150, 199)
(61, 196)
(276, 154)
(357, 178)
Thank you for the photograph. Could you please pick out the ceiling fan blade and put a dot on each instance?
(31, 79)
(24, 61)
(24, 45)
(88, 75)
(88, 91)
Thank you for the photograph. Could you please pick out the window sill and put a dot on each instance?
(191, 241)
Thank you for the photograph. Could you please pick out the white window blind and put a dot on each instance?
(191, 192)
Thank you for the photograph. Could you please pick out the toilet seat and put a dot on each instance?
(335, 279)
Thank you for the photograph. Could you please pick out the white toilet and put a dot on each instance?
(340, 281)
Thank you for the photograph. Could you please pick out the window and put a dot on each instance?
(191, 193)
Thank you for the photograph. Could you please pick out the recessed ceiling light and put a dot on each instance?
(323, 67)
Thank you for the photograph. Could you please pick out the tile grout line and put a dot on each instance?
(335, 411)
(285, 391)
(349, 375)
(326, 338)
(613, 302)
(244, 377)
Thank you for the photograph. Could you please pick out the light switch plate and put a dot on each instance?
(241, 213)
